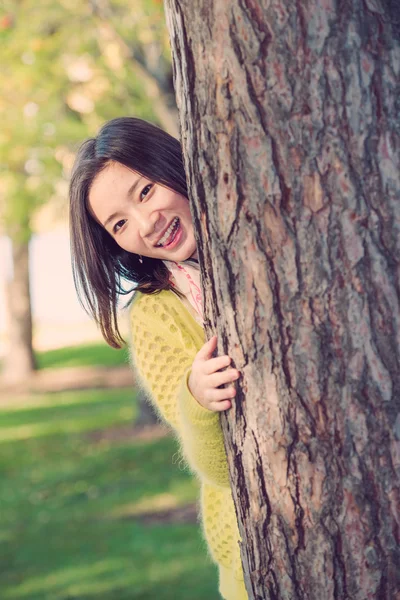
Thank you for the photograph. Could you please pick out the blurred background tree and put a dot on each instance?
(67, 67)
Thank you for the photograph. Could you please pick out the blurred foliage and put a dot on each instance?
(72, 506)
(66, 68)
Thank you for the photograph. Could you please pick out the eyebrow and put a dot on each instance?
(129, 193)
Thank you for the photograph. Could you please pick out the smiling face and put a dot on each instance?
(143, 217)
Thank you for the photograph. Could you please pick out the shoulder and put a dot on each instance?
(162, 311)
(155, 304)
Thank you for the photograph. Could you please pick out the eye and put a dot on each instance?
(117, 227)
(145, 191)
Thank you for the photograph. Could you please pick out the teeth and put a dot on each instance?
(168, 232)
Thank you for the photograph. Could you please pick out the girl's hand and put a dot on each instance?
(206, 377)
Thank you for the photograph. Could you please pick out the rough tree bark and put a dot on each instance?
(290, 131)
(19, 361)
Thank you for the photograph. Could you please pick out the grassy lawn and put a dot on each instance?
(71, 506)
(85, 355)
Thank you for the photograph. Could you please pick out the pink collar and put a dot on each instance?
(186, 277)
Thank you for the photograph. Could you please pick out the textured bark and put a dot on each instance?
(289, 123)
(19, 360)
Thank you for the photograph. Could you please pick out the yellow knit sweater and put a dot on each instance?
(165, 340)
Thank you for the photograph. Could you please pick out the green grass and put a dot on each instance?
(66, 506)
(96, 409)
(79, 356)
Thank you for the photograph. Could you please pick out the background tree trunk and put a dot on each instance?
(19, 361)
(288, 119)
(146, 413)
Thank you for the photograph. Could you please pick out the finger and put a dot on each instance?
(207, 350)
(216, 364)
(220, 406)
(216, 395)
(218, 379)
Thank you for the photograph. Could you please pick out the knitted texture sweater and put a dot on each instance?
(165, 340)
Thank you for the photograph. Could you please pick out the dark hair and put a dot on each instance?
(98, 263)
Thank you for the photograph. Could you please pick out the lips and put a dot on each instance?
(176, 234)
(165, 238)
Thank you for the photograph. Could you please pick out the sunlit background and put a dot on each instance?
(94, 500)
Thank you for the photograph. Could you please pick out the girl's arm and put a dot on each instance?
(165, 342)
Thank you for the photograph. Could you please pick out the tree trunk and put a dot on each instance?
(146, 413)
(19, 360)
(288, 119)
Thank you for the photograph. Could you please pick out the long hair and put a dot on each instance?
(99, 265)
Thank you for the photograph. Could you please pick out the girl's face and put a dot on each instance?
(143, 217)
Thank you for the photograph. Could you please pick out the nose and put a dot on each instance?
(146, 223)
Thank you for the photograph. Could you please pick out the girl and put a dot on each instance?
(130, 218)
